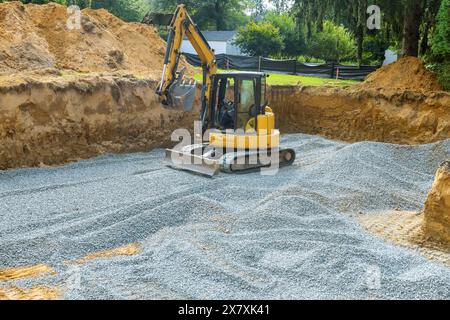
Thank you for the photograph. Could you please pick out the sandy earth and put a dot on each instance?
(73, 93)
(48, 120)
(360, 114)
(406, 229)
(43, 36)
(437, 207)
(293, 235)
(408, 73)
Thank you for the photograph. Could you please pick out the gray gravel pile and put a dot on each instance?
(288, 236)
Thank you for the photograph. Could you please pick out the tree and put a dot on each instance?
(258, 7)
(411, 27)
(281, 6)
(441, 37)
(334, 43)
(293, 41)
(441, 45)
(429, 21)
(209, 14)
(260, 39)
(128, 10)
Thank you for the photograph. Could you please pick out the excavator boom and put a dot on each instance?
(175, 90)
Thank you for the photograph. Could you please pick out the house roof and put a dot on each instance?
(218, 35)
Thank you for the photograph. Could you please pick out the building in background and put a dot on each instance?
(220, 41)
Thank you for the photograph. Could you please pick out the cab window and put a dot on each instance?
(247, 102)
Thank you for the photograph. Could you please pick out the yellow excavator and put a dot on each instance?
(238, 131)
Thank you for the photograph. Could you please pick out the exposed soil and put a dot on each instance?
(356, 114)
(437, 207)
(406, 229)
(71, 93)
(408, 73)
(56, 120)
(44, 36)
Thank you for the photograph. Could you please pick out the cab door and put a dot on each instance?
(247, 101)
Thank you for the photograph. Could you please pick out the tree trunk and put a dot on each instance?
(361, 26)
(360, 42)
(411, 28)
(220, 24)
(424, 46)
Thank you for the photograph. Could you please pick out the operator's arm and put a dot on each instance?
(182, 25)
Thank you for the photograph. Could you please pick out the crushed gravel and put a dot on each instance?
(289, 236)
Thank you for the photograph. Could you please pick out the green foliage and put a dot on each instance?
(128, 10)
(334, 43)
(375, 47)
(63, 2)
(260, 39)
(293, 41)
(440, 58)
(441, 38)
(209, 14)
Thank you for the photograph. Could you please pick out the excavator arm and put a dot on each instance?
(174, 90)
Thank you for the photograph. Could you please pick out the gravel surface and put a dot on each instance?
(289, 236)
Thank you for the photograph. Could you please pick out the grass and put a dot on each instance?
(287, 79)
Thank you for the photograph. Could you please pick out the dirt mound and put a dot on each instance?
(408, 73)
(437, 207)
(49, 36)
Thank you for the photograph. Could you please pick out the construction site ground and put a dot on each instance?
(89, 210)
(127, 226)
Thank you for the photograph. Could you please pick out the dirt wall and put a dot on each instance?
(437, 208)
(60, 119)
(355, 114)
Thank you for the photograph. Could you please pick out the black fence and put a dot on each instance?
(325, 70)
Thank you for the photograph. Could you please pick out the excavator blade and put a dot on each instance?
(192, 163)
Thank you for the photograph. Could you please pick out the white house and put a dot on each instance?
(220, 41)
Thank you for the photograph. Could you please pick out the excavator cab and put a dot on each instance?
(237, 100)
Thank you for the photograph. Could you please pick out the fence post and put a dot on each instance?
(332, 70)
(259, 64)
(295, 67)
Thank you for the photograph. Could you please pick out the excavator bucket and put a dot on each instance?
(181, 94)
